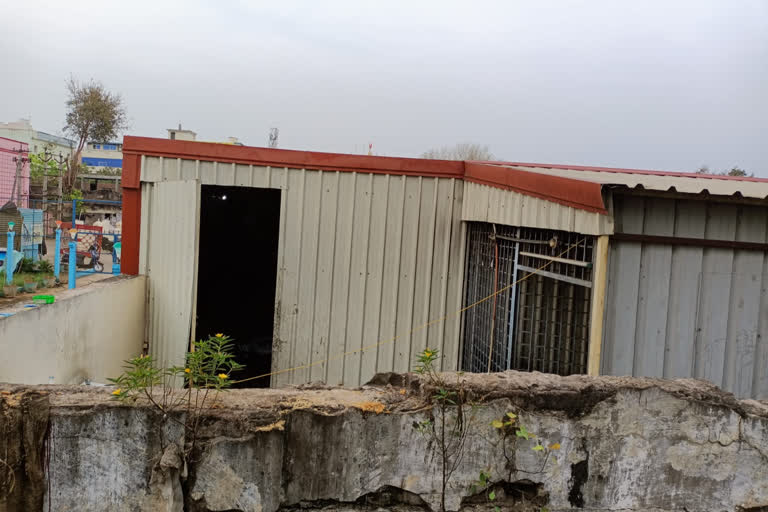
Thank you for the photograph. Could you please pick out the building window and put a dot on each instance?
(173, 135)
(541, 316)
(97, 146)
(110, 147)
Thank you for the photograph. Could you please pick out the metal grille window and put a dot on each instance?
(542, 322)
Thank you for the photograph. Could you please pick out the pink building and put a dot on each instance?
(10, 151)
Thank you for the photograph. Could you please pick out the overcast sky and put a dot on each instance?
(659, 85)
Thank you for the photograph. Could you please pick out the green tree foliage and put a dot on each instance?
(41, 164)
(93, 113)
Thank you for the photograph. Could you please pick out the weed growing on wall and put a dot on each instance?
(207, 372)
(509, 432)
(451, 419)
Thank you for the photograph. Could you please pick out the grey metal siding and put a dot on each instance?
(363, 259)
(688, 311)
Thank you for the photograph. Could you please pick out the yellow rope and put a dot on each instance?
(415, 329)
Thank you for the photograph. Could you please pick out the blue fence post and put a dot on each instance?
(72, 259)
(9, 263)
(74, 212)
(57, 254)
(115, 248)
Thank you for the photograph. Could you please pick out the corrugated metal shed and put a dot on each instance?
(686, 311)
(491, 204)
(372, 249)
(687, 183)
(363, 258)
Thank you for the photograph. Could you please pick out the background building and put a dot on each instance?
(103, 157)
(106, 158)
(23, 131)
(180, 134)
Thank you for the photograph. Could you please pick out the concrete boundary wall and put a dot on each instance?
(86, 334)
(625, 444)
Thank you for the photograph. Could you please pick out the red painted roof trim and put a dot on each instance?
(580, 194)
(576, 193)
(631, 171)
(584, 195)
(289, 158)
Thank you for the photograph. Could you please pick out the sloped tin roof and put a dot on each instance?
(687, 183)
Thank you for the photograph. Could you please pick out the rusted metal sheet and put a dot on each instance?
(365, 261)
(687, 310)
(484, 203)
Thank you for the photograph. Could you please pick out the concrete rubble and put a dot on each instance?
(625, 444)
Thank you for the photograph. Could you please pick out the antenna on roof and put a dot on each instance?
(273, 134)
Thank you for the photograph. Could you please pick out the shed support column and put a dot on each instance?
(598, 306)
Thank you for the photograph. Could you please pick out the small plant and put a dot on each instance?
(27, 266)
(206, 372)
(509, 427)
(45, 267)
(448, 426)
(484, 484)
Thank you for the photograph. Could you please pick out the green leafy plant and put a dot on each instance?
(45, 267)
(76, 194)
(484, 484)
(27, 266)
(449, 424)
(207, 372)
(43, 164)
(509, 427)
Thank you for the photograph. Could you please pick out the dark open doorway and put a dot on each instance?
(237, 271)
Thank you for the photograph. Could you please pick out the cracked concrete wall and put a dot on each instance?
(626, 444)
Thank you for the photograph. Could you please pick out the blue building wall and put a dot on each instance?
(103, 162)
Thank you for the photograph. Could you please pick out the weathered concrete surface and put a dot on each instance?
(626, 444)
(85, 335)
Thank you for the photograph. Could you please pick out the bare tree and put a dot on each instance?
(93, 113)
(733, 171)
(460, 152)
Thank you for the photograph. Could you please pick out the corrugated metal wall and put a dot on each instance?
(483, 203)
(363, 258)
(688, 311)
(170, 268)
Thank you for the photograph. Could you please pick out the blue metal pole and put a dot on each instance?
(57, 255)
(74, 212)
(115, 265)
(72, 264)
(9, 263)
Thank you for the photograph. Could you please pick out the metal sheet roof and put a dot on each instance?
(687, 183)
